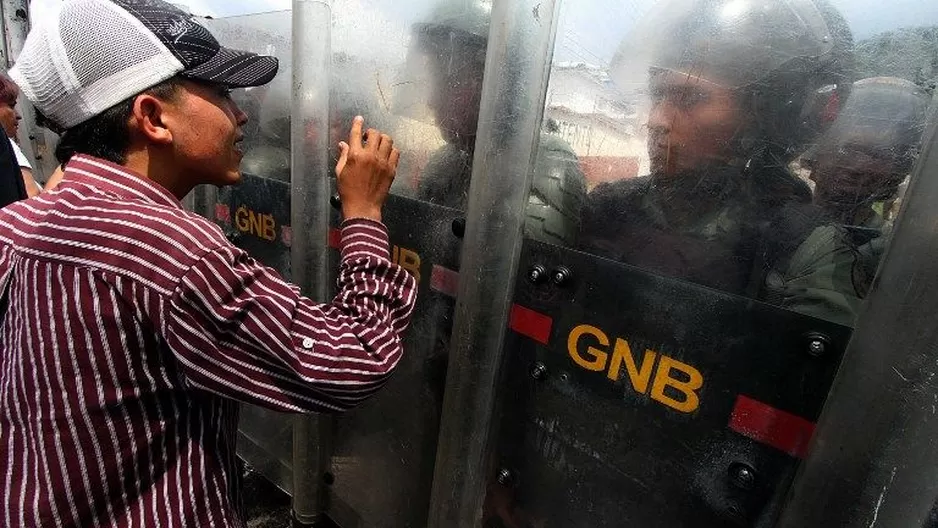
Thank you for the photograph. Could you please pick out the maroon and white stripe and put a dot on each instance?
(133, 327)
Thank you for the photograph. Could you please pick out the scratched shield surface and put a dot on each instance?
(638, 400)
(255, 216)
(635, 394)
(388, 444)
(411, 84)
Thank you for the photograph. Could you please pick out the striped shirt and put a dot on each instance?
(132, 328)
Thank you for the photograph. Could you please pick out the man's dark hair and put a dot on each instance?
(105, 135)
(8, 91)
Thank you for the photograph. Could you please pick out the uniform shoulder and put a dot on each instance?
(613, 202)
(619, 190)
(555, 144)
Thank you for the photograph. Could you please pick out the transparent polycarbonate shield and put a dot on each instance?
(255, 214)
(384, 451)
(876, 436)
(441, 85)
(392, 438)
(745, 162)
(688, 121)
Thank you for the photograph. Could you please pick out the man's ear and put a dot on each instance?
(150, 117)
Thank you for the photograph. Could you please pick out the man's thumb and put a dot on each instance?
(343, 157)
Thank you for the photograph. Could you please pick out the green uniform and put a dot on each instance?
(725, 232)
(557, 194)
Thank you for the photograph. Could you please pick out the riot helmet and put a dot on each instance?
(745, 82)
(447, 58)
(870, 148)
(267, 149)
(451, 46)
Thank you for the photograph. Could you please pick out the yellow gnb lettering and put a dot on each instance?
(260, 225)
(257, 226)
(270, 228)
(688, 388)
(241, 219)
(410, 261)
(598, 357)
(407, 259)
(675, 383)
(639, 376)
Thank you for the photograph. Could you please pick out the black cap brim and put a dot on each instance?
(235, 69)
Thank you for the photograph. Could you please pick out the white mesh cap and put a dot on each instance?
(96, 53)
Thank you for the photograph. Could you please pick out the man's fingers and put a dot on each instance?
(395, 157)
(374, 140)
(355, 136)
(384, 148)
(343, 157)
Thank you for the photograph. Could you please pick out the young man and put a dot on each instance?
(130, 327)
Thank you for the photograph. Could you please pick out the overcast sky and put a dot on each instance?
(588, 27)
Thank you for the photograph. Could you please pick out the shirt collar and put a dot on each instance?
(117, 180)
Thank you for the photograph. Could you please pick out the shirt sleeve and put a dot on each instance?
(241, 331)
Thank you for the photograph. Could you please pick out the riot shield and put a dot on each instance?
(255, 216)
(638, 399)
(388, 444)
(669, 366)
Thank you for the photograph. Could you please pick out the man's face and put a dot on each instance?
(691, 124)
(850, 175)
(207, 134)
(9, 119)
(457, 94)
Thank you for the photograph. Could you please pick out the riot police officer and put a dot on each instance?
(737, 90)
(859, 164)
(454, 43)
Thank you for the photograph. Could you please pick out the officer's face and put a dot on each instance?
(457, 94)
(691, 124)
(853, 175)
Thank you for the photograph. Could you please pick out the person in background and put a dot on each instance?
(10, 121)
(859, 164)
(12, 188)
(452, 41)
